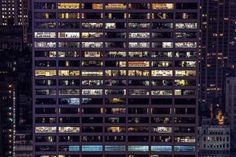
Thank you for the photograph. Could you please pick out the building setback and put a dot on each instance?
(115, 78)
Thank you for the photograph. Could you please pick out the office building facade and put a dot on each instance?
(115, 78)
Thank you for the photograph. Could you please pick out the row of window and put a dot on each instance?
(99, 138)
(115, 44)
(121, 111)
(115, 54)
(116, 63)
(92, 148)
(118, 100)
(117, 25)
(114, 6)
(114, 82)
(116, 120)
(109, 129)
(176, 92)
(93, 35)
(116, 73)
(120, 119)
(116, 15)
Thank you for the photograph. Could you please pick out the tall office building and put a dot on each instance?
(218, 46)
(115, 78)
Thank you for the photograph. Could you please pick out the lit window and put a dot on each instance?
(167, 45)
(184, 148)
(115, 92)
(161, 63)
(162, 6)
(45, 92)
(184, 92)
(162, 73)
(74, 148)
(138, 92)
(138, 148)
(138, 73)
(68, 5)
(45, 129)
(116, 54)
(161, 148)
(92, 73)
(115, 72)
(110, 26)
(161, 92)
(185, 45)
(119, 6)
(45, 35)
(69, 44)
(139, 35)
(92, 82)
(185, 73)
(139, 25)
(45, 72)
(92, 54)
(72, 54)
(69, 101)
(162, 129)
(114, 148)
(185, 82)
(191, 64)
(92, 148)
(138, 64)
(68, 35)
(97, 6)
(186, 25)
(92, 25)
(69, 129)
(45, 44)
(68, 15)
(92, 44)
(92, 91)
(92, 34)
(139, 54)
(69, 92)
(184, 54)
(139, 45)
(185, 139)
(115, 129)
(69, 72)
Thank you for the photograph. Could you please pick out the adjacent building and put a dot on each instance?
(7, 103)
(11, 38)
(214, 139)
(15, 90)
(14, 12)
(23, 144)
(115, 78)
(218, 57)
(230, 108)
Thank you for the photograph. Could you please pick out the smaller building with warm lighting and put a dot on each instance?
(214, 139)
